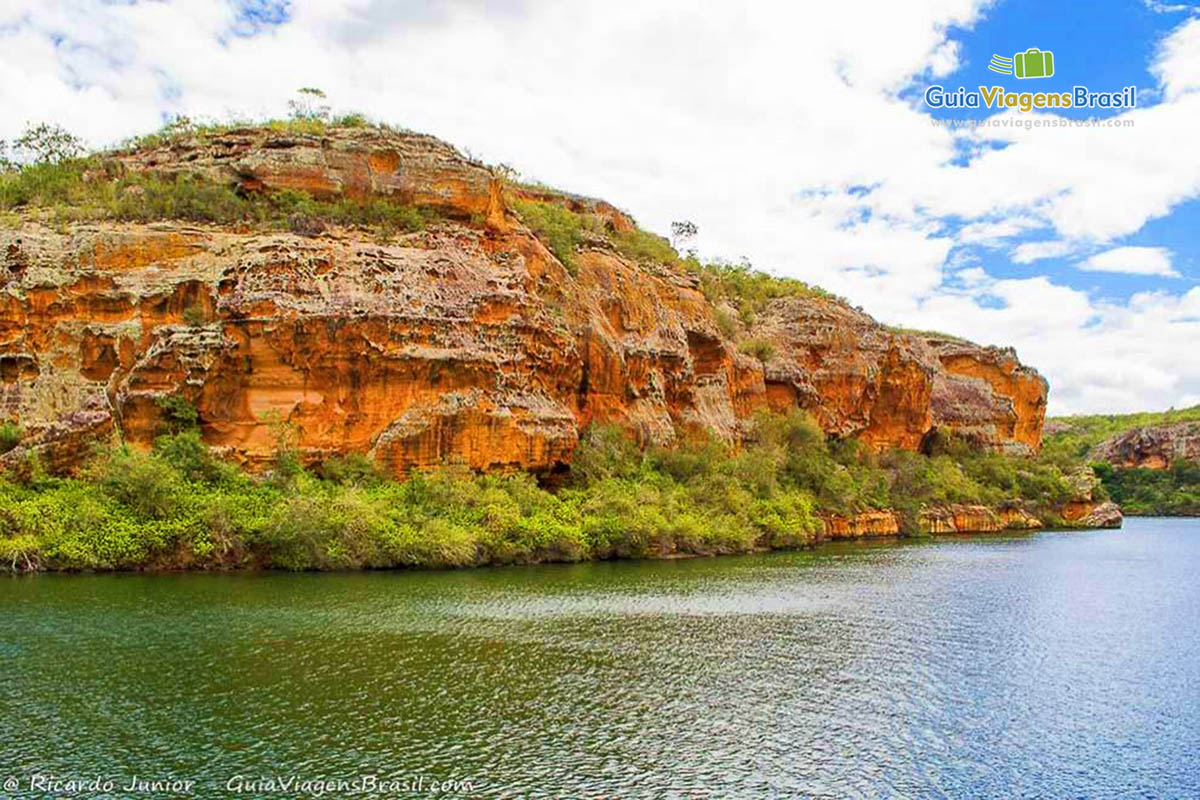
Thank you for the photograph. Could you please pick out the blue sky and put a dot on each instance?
(1106, 47)
(793, 134)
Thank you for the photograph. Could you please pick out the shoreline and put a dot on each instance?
(838, 529)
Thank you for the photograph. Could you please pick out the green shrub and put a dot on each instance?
(181, 505)
(178, 413)
(194, 316)
(747, 288)
(557, 227)
(146, 485)
(10, 436)
(354, 469)
(642, 246)
(63, 189)
(762, 349)
(725, 323)
(46, 185)
(1168, 492)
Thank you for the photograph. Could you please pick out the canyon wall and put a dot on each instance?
(1151, 447)
(467, 341)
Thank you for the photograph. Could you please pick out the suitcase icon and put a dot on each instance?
(1034, 63)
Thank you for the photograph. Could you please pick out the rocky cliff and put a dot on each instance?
(1151, 447)
(1083, 511)
(467, 341)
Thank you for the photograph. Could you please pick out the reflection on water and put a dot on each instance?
(1046, 665)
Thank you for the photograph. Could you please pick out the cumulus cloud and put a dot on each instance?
(1028, 252)
(781, 129)
(1132, 261)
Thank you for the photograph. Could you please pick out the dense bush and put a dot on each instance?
(178, 505)
(1167, 492)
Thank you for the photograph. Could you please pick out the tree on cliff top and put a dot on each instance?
(309, 105)
(48, 144)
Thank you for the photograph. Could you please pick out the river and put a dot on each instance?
(1038, 665)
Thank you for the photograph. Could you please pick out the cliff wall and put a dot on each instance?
(1151, 447)
(467, 341)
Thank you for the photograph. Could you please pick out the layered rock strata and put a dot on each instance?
(465, 342)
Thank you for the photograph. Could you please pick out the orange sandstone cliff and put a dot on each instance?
(468, 341)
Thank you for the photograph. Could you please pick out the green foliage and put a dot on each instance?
(309, 105)
(188, 455)
(49, 144)
(180, 505)
(762, 349)
(927, 334)
(642, 246)
(750, 290)
(44, 185)
(558, 228)
(1081, 433)
(10, 436)
(726, 324)
(1167, 492)
(178, 413)
(194, 316)
(146, 485)
(352, 120)
(1171, 492)
(354, 469)
(82, 189)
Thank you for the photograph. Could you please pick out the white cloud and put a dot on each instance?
(1132, 261)
(761, 122)
(1028, 252)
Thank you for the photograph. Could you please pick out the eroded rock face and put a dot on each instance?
(894, 389)
(1086, 509)
(969, 518)
(1153, 447)
(964, 518)
(466, 342)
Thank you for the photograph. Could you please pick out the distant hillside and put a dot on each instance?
(1079, 434)
(1149, 461)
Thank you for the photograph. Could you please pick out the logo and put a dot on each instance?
(1033, 63)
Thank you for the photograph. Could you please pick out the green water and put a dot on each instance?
(1039, 665)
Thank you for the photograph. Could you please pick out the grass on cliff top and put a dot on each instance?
(180, 506)
(183, 128)
(563, 231)
(928, 334)
(93, 188)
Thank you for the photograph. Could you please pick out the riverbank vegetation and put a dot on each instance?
(179, 506)
(1171, 492)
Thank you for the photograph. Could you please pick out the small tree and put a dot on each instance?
(309, 105)
(683, 231)
(6, 163)
(49, 144)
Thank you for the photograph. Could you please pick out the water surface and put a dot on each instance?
(1055, 664)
